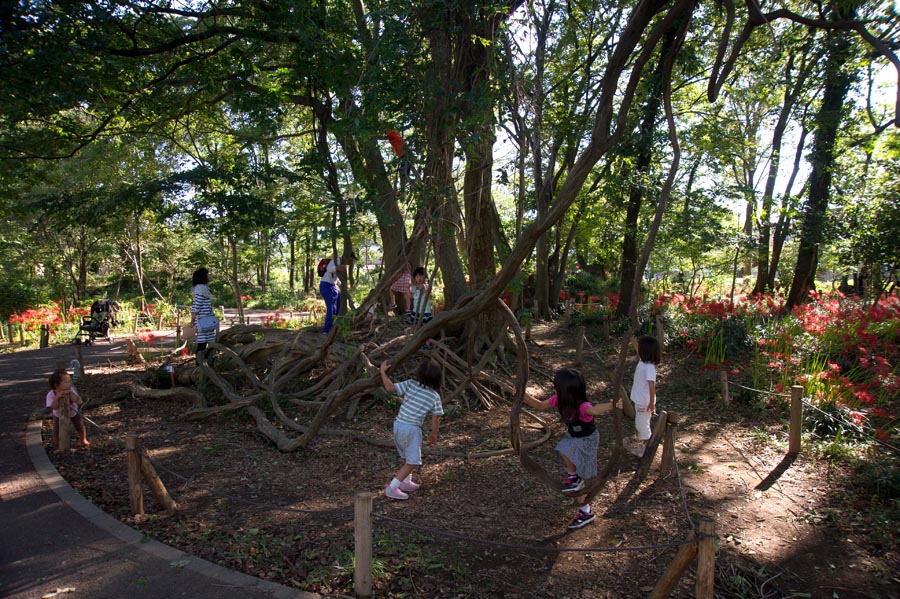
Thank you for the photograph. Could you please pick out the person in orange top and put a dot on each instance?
(396, 141)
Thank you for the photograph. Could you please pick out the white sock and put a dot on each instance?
(408, 478)
(586, 508)
(395, 484)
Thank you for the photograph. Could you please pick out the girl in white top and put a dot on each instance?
(643, 389)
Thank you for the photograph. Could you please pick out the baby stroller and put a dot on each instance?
(102, 316)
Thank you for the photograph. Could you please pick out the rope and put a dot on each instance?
(539, 548)
(849, 424)
(730, 382)
(433, 531)
(832, 417)
(687, 513)
(214, 492)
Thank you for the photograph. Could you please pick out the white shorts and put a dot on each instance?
(642, 422)
(408, 439)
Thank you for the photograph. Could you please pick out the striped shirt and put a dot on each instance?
(202, 306)
(418, 402)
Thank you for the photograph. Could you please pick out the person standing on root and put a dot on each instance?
(201, 306)
(418, 398)
(330, 288)
(578, 449)
(62, 392)
(643, 389)
(421, 300)
(401, 286)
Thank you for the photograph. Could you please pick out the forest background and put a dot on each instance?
(141, 140)
(724, 167)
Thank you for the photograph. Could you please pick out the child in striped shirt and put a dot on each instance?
(419, 398)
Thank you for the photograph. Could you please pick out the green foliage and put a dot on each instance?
(15, 296)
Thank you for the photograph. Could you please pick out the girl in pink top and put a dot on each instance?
(578, 449)
(62, 392)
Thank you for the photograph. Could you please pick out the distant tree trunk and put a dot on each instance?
(822, 158)
(764, 272)
(292, 261)
(783, 225)
(233, 275)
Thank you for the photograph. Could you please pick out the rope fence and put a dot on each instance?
(805, 401)
(142, 468)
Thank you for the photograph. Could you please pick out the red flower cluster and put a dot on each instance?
(147, 336)
(31, 320)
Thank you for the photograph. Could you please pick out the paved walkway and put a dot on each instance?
(52, 539)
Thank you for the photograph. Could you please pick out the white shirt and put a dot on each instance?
(640, 388)
(331, 275)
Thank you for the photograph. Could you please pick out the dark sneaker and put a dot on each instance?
(573, 484)
(581, 519)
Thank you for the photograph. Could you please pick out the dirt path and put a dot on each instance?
(785, 529)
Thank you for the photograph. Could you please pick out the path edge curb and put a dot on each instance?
(51, 477)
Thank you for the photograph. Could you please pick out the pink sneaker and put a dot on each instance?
(393, 493)
(409, 486)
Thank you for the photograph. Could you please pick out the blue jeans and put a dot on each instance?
(332, 296)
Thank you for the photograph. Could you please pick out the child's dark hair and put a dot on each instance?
(201, 277)
(420, 270)
(430, 374)
(571, 392)
(648, 349)
(57, 377)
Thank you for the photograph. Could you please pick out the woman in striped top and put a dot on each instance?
(201, 306)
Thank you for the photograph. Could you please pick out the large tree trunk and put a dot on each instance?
(828, 120)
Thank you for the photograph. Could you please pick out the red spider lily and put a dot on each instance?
(880, 413)
(613, 299)
(146, 336)
(857, 418)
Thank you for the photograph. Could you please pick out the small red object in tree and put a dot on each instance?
(396, 143)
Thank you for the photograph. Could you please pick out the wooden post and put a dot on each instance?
(45, 336)
(21, 334)
(605, 327)
(723, 377)
(64, 442)
(670, 577)
(135, 490)
(706, 559)
(627, 406)
(668, 452)
(177, 327)
(579, 346)
(160, 493)
(362, 540)
(80, 357)
(137, 317)
(796, 419)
